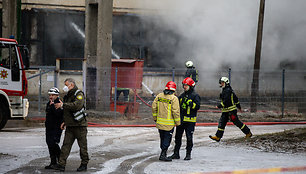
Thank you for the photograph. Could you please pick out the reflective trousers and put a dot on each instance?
(232, 116)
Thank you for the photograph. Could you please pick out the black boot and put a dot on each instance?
(176, 154)
(163, 156)
(188, 156)
(59, 167)
(52, 164)
(83, 167)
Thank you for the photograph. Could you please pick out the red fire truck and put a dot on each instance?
(14, 60)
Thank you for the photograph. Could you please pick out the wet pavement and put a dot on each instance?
(136, 150)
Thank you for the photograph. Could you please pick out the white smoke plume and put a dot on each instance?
(222, 33)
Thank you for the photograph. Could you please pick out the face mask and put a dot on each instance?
(65, 89)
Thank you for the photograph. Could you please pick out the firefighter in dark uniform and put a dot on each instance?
(191, 71)
(166, 114)
(54, 119)
(229, 104)
(75, 130)
(190, 103)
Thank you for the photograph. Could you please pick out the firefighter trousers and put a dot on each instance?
(165, 138)
(188, 127)
(232, 116)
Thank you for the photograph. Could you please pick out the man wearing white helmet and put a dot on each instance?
(229, 104)
(191, 71)
(54, 119)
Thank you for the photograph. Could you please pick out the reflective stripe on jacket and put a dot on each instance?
(73, 102)
(192, 73)
(190, 103)
(230, 108)
(166, 111)
(229, 100)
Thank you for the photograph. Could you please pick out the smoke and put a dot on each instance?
(76, 28)
(82, 34)
(222, 33)
(284, 36)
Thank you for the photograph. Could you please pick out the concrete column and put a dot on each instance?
(90, 52)
(104, 54)
(98, 42)
(91, 24)
(9, 18)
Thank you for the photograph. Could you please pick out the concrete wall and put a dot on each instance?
(47, 81)
(130, 6)
(9, 16)
(155, 83)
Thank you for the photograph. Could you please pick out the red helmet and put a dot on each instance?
(188, 81)
(171, 86)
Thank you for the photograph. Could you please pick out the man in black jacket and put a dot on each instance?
(190, 103)
(229, 104)
(54, 119)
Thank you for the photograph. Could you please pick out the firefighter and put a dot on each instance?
(191, 71)
(229, 104)
(75, 129)
(166, 114)
(54, 119)
(190, 103)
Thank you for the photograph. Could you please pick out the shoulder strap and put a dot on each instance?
(76, 92)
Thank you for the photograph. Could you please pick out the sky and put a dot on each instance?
(219, 34)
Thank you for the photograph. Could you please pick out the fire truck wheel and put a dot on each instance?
(3, 117)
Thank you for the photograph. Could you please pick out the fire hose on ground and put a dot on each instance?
(91, 124)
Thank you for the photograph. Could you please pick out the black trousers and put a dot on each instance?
(232, 116)
(53, 137)
(165, 138)
(188, 127)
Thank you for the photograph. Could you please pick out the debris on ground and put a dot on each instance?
(288, 141)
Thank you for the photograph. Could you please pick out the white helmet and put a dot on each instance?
(225, 80)
(53, 90)
(189, 64)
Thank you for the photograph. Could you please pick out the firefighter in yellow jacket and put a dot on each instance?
(166, 114)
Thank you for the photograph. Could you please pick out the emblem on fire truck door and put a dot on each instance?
(3, 74)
